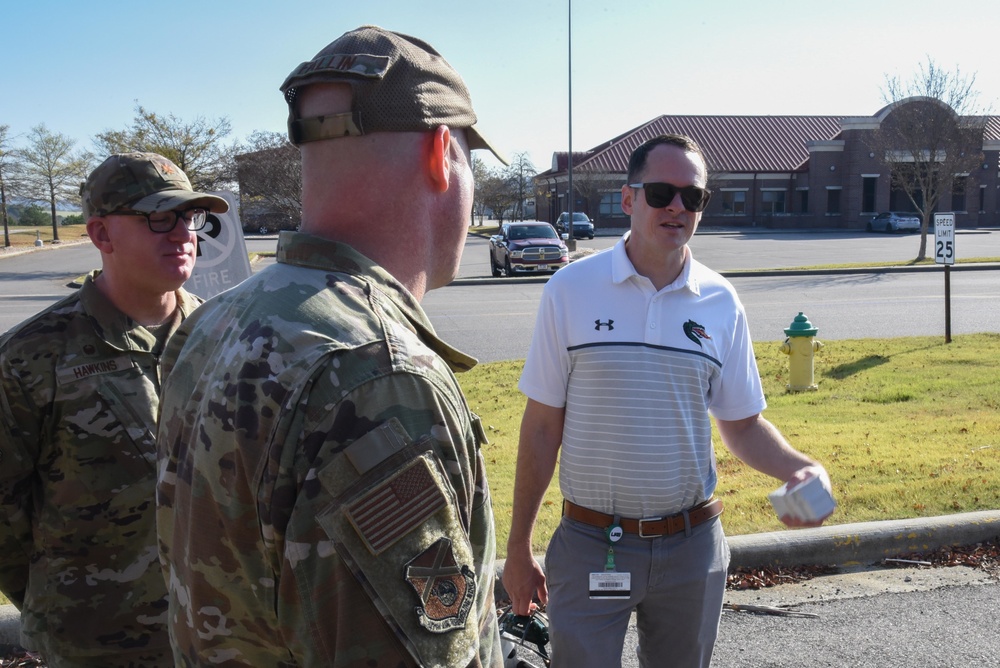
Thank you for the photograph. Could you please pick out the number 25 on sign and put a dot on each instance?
(944, 238)
(944, 253)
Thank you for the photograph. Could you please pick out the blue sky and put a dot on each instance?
(79, 67)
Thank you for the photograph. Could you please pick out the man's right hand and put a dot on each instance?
(522, 578)
(537, 451)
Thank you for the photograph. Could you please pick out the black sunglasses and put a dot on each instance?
(659, 195)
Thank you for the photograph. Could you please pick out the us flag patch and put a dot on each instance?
(396, 506)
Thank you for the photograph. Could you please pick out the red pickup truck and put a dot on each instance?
(529, 246)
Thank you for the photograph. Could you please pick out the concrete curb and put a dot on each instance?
(839, 545)
(756, 273)
(861, 543)
(11, 252)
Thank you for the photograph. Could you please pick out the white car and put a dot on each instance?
(894, 222)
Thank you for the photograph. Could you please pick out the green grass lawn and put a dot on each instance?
(907, 427)
(24, 237)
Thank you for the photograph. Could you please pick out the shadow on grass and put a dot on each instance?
(887, 398)
(864, 364)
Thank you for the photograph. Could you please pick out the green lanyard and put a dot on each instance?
(614, 534)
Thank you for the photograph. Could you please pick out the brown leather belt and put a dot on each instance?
(647, 527)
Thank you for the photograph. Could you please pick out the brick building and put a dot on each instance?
(800, 172)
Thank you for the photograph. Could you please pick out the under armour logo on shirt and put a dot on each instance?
(610, 324)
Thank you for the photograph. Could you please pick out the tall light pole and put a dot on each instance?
(571, 242)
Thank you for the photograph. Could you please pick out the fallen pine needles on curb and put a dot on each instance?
(983, 556)
(761, 578)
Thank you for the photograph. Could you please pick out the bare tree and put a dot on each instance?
(591, 186)
(480, 173)
(503, 191)
(494, 191)
(497, 194)
(51, 170)
(197, 146)
(931, 139)
(270, 178)
(521, 174)
(8, 165)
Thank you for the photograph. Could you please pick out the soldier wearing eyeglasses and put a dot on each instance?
(79, 386)
(634, 349)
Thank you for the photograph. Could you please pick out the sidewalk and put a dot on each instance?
(13, 251)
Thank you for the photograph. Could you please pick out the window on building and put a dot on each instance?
(900, 201)
(982, 199)
(833, 202)
(611, 204)
(734, 202)
(869, 185)
(773, 201)
(958, 194)
(804, 201)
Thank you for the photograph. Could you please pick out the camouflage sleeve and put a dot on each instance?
(16, 475)
(374, 547)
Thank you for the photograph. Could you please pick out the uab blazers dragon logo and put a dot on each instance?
(695, 332)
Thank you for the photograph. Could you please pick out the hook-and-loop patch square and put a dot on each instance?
(396, 506)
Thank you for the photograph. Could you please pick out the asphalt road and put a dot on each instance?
(865, 617)
(946, 622)
(492, 319)
(943, 627)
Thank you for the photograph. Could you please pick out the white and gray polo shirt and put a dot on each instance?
(639, 371)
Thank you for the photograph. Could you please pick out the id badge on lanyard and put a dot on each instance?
(609, 583)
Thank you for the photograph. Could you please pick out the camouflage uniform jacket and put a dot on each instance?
(78, 399)
(322, 500)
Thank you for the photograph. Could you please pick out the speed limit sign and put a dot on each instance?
(944, 253)
(944, 238)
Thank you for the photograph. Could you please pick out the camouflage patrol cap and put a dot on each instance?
(399, 83)
(144, 182)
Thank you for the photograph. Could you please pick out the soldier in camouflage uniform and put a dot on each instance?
(322, 500)
(78, 401)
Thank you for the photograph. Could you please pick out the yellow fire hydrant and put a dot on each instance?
(799, 346)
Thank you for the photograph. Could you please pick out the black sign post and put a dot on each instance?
(944, 253)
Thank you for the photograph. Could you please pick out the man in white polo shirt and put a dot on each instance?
(634, 349)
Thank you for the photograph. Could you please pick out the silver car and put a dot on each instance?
(894, 222)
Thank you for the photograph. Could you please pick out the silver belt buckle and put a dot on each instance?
(642, 522)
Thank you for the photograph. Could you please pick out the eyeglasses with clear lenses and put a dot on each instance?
(162, 222)
(659, 195)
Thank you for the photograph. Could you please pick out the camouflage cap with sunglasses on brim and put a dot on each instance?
(399, 83)
(145, 182)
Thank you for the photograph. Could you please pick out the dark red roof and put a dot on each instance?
(561, 159)
(731, 143)
(735, 144)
